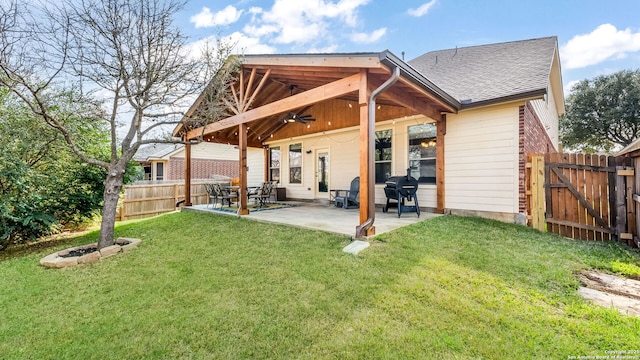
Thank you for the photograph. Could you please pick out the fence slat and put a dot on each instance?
(153, 199)
(580, 196)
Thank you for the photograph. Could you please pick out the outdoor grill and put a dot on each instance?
(401, 188)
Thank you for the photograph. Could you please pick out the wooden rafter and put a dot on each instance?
(236, 108)
(309, 97)
(257, 90)
(408, 101)
(248, 89)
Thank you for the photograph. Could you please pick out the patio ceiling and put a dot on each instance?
(324, 86)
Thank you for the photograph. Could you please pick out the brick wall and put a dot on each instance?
(202, 168)
(532, 139)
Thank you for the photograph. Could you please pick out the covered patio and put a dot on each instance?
(324, 217)
(272, 93)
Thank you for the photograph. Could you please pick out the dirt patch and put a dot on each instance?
(611, 291)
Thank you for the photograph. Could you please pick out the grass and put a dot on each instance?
(205, 286)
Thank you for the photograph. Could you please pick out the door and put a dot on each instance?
(322, 174)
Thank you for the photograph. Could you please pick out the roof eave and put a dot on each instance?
(391, 60)
(533, 94)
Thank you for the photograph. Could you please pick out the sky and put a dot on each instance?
(595, 37)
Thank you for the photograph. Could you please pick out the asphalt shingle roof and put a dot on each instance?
(486, 72)
(154, 151)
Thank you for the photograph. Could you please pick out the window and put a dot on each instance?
(422, 153)
(295, 163)
(383, 156)
(147, 171)
(159, 171)
(274, 163)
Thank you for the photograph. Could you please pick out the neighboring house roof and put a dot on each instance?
(633, 147)
(479, 74)
(155, 151)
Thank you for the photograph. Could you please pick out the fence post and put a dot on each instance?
(176, 189)
(537, 193)
(621, 208)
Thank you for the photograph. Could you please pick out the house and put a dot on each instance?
(167, 161)
(462, 120)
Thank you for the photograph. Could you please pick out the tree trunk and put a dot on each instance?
(112, 187)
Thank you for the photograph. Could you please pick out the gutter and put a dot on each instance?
(391, 60)
(371, 211)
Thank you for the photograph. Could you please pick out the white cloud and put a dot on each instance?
(301, 22)
(604, 43)
(364, 38)
(206, 18)
(423, 9)
(240, 43)
(248, 45)
(569, 86)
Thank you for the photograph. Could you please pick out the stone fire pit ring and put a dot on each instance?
(61, 259)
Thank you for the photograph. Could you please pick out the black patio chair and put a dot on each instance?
(224, 195)
(262, 194)
(348, 199)
(213, 195)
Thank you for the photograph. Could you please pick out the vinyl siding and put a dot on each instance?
(481, 160)
(546, 111)
(344, 160)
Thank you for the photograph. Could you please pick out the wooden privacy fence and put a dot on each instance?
(582, 196)
(141, 201)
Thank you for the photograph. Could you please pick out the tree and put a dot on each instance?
(125, 55)
(43, 185)
(602, 113)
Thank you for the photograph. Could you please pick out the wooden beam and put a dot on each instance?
(412, 103)
(241, 91)
(309, 97)
(427, 94)
(242, 154)
(235, 97)
(247, 91)
(257, 90)
(267, 164)
(441, 130)
(367, 181)
(230, 106)
(187, 175)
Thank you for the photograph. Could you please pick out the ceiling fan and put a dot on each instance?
(293, 117)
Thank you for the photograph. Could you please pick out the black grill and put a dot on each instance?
(399, 189)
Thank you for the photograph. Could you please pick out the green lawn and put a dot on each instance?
(204, 286)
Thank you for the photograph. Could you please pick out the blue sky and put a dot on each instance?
(595, 37)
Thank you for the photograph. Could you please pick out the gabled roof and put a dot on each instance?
(478, 75)
(155, 151)
(268, 87)
(631, 148)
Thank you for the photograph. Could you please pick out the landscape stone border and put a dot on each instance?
(56, 260)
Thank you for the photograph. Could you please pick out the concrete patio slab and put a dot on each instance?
(326, 217)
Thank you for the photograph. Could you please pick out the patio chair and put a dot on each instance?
(348, 199)
(263, 194)
(224, 194)
(213, 195)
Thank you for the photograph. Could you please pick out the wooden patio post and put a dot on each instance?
(267, 164)
(441, 130)
(242, 150)
(367, 174)
(187, 175)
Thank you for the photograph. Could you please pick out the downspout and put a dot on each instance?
(362, 228)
